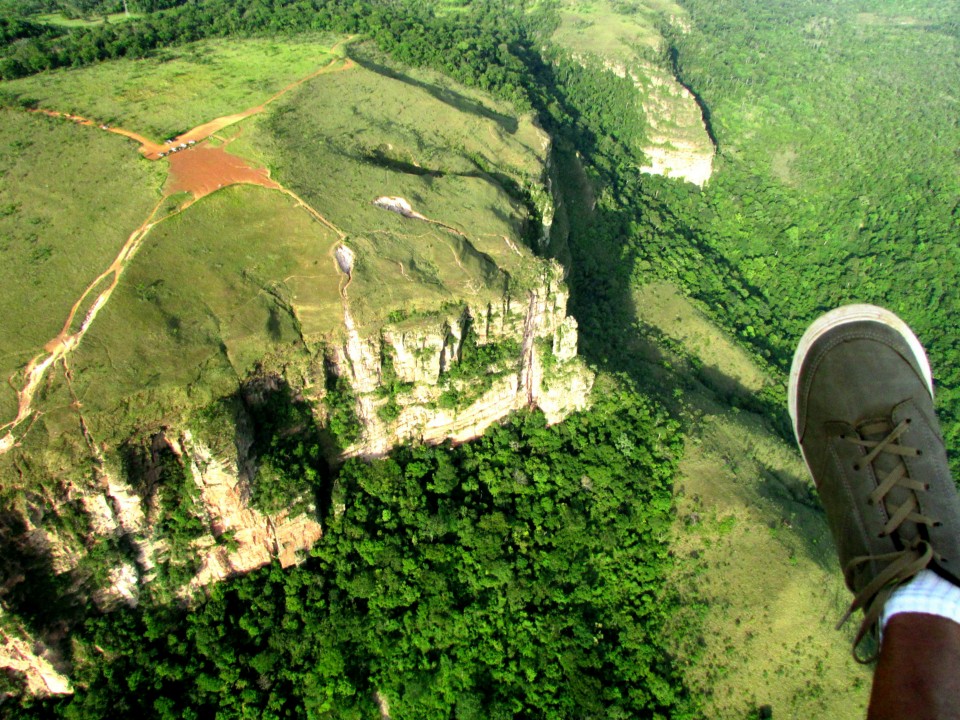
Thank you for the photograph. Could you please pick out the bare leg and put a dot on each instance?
(918, 675)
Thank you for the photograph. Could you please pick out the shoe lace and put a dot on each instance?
(917, 554)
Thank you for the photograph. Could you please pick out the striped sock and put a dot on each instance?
(927, 593)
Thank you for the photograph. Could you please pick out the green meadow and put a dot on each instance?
(757, 576)
(215, 289)
(223, 283)
(59, 229)
(177, 88)
(611, 29)
(346, 138)
(68, 22)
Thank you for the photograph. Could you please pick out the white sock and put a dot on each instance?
(927, 593)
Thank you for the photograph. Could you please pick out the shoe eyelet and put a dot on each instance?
(881, 535)
(919, 453)
(856, 466)
(909, 420)
(937, 524)
(926, 486)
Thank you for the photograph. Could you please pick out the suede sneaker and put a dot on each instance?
(861, 402)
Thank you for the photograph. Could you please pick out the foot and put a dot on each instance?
(861, 402)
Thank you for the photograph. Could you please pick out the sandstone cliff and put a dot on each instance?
(678, 144)
(29, 661)
(429, 377)
(411, 383)
(148, 465)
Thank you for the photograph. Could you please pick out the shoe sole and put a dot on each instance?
(842, 316)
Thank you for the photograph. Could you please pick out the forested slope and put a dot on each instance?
(838, 179)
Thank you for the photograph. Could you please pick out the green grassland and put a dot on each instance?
(178, 88)
(612, 29)
(66, 22)
(59, 229)
(247, 272)
(212, 291)
(757, 574)
(215, 288)
(347, 138)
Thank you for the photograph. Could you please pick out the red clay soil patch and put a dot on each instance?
(203, 170)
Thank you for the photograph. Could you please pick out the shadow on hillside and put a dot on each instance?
(800, 511)
(294, 454)
(601, 277)
(443, 94)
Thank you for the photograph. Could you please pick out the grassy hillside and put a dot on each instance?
(243, 271)
(613, 29)
(757, 576)
(178, 88)
(59, 229)
(209, 295)
(467, 164)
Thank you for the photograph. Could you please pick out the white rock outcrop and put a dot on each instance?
(31, 660)
(256, 538)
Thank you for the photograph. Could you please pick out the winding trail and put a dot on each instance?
(202, 132)
(64, 343)
(313, 211)
(197, 170)
(400, 206)
(153, 150)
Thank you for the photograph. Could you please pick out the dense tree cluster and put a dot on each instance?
(837, 176)
(518, 575)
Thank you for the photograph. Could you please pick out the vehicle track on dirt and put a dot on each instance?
(57, 349)
(67, 340)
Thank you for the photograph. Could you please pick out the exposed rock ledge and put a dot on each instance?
(259, 538)
(398, 205)
(546, 373)
(31, 660)
(539, 368)
(678, 144)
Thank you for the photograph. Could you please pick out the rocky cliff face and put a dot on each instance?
(30, 662)
(256, 538)
(390, 321)
(451, 376)
(678, 144)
